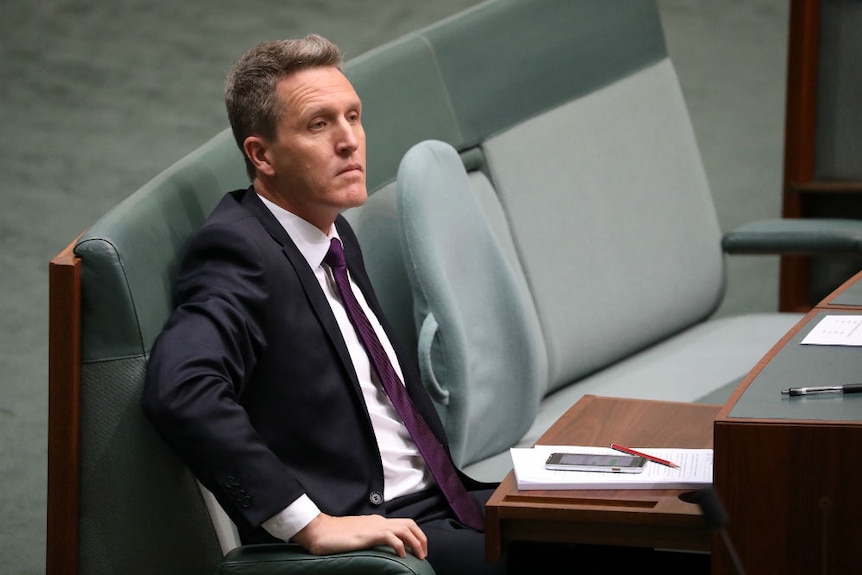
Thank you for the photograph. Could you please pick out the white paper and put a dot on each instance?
(695, 469)
(836, 330)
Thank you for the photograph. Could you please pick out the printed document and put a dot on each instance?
(694, 472)
(836, 330)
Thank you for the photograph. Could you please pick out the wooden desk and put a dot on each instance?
(642, 518)
(788, 469)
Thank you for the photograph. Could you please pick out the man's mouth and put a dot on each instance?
(350, 169)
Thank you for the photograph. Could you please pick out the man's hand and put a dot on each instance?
(327, 534)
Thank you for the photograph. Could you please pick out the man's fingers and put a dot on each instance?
(415, 540)
(420, 546)
(398, 545)
(404, 535)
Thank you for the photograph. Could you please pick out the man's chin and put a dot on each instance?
(355, 197)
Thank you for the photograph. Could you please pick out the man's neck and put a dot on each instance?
(323, 223)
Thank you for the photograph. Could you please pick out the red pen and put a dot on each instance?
(638, 453)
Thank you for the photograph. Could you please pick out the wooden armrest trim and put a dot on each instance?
(64, 382)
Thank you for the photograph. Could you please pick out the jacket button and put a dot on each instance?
(376, 498)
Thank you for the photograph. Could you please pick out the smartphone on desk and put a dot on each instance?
(593, 462)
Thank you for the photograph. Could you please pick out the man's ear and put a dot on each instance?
(256, 150)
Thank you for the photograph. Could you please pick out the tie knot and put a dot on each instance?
(335, 256)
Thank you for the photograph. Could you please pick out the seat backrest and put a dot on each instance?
(610, 209)
(138, 508)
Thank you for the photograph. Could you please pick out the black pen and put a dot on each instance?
(847, 388)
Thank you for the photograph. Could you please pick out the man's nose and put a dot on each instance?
(348, 138)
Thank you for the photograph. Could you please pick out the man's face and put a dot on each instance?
(317, 156)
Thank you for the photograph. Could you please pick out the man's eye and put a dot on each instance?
(318, 125)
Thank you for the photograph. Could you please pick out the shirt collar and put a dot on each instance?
(311, 242)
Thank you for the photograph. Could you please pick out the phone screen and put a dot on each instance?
(595, 462)
(599, 460)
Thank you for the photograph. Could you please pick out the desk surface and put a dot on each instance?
(644, 518)
(796, 365)
(790, 364)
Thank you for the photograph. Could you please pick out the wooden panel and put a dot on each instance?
(791, 494)
(799, 133)
(64, 379)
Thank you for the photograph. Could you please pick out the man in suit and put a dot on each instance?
(259, 380)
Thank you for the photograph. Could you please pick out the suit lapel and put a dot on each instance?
(307, 279)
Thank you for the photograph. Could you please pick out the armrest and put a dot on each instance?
(289, 559)
(800, 236)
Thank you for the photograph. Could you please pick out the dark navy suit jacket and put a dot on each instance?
(251, 382)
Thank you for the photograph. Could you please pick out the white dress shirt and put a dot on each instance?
(404, 470)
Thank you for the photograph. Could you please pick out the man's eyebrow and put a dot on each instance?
(329, 109)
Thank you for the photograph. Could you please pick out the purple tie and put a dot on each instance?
(436, 458)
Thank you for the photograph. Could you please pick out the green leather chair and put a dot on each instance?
(118, 500)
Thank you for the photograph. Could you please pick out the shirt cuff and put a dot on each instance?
(290, 520)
